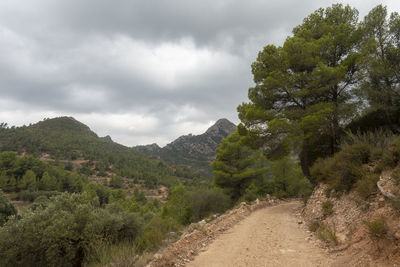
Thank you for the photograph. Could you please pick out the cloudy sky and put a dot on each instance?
(139, 71)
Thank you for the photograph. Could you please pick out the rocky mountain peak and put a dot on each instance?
(222, 126)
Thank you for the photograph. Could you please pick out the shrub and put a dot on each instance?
(379, 140)
(116, 182)
(326, 233)
(204, 202)
(367, 186)
(6, 208)
(344, 169)
(314, 226)
(327, 208)
(377, 228)
(65, 232)
(289, 180)
(27, 195)
(155, 232)
(250, 194)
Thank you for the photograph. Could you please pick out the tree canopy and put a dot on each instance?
(237, 165)
(323, 76)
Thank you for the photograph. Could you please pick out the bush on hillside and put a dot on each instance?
(367, 186)
(344, 169)
(327, 233)
(187, 206)
(327, 208)
(377, 228)
(205, 202)
(65, 233)
(7, 209)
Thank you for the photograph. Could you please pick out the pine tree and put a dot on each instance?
(28, 181)
(304, 90)
(237, 165)
(48, 183)
(381, 49)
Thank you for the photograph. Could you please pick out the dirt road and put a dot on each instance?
(268, 237)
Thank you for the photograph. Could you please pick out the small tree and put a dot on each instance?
(116, 182)
(48, 182)
(28, 181)
(6, 208)
(178, 204)
(236, 166)
(289, 181)
(305, 89)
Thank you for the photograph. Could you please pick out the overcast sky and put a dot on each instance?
(141, 71)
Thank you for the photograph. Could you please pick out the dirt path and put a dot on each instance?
(268, 237)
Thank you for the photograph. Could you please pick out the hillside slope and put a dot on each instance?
(65, 138)
(356, 225)
(193, 151)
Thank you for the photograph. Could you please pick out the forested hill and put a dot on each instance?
(193, 151)
(65, 138)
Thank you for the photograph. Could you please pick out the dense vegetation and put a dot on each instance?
(334, 70)
(336, 78)
(65, 138)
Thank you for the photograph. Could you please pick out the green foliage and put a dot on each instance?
(237, 166)
(29, 173)
(48, 183)
(98, 191)
(327, 233)
(304, 88)
(139, 196)
(288, 179)
(27, 195)
(155, 232)
(377, 228)
(186, 206)
(206, 202)
(387, 118)
(344, 169)
(67, 139)
(378, 140)
(7, 209)
(381, 49)
(367, 186)
(250, 193)
(65, 233)
(327, 208)
(116, 182)
(179, 206)
(28, 181)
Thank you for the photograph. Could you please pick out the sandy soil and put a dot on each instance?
(268, 237)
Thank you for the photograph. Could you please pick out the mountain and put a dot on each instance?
(68, 140)
(193, 151)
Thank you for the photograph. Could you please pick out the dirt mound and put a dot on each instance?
(199, 235)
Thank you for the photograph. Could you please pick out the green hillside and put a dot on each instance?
(66, 139)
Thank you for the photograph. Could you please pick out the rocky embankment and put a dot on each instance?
(348, 219)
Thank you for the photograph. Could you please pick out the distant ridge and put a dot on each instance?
(193, 151)
(66, 139)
